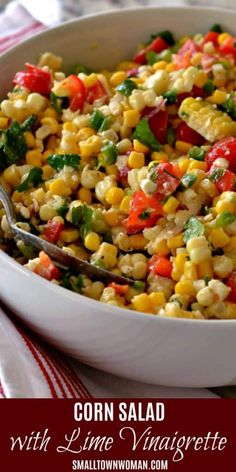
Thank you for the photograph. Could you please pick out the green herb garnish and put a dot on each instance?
(209, 87)
(197, 153)
(96, 120)
(56, 102)
(63, 209)
(58, 161)
(33, 179)
(188, 180)
(216, 27)
(217, 174)
(13, 145)
(109, 153)
(230, 105)
(144, 134)
(82, 216)
(171, 97)
(127, 87)
(29, 123)
(193, 228)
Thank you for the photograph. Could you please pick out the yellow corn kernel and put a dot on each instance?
(218, 97)
(190, 271)
(224, 205)
(136, 160)
(176, 274)
(138, 241)
(12, 175)
(85, 133)
(139, 147)
(79, 251)
(170, 67)
(126, 65)
(117, 78)
(203, 269)
(69, 235)
(29, 139)
(171, 205)
(160, 65)
(50, 112)
(3, 122)
(131, 118)
(34, 158)
(219, 238)
(39, 195)
(112, 217)
(196, 61)
(222, 37)
(46, 154)
(157, 298)
(143, 303)
(176, 241)
(58, 187)
(52, 123)
(159, 156)
(92, 241)
(230, 310)
(169, 150)
(112, 170)
(85, 195)
(90, 147)
(172, 109)
(125, 204)
(185, 287)
(69, 126)
(51, 143)
(202, 77)
(231, 246)
(183, 164)
(182, 146)
(125, 132)
(47, 172)
(180, 261)
(194, 164)
(114, 195)
(161, 248)
(90, 80)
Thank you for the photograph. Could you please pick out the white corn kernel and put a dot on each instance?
(222, 266)
(36, 101)
(220, 289)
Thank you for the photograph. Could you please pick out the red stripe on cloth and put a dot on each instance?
(12, 42)
(27, 29)
(77, 382)
(2, 393)
(39, 362)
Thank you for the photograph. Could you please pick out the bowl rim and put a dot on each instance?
(123, 312)
(119, 311)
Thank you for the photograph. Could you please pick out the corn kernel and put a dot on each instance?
(90, 147)
(161, 248)
(231, 246)
(69, 126)
(205, 268)
(185, 287)
(126, 65)
(29, 139)
(159, 156)
(125, 204)
(218, 97)
(157, 298)
(114, 195)
(79, 252)
(85, 133)
(3, 122)
(196, 61)
(92, 241)
(160, 65)
(90, 80)
(12, 175)
(176, 241)
(136, 160)
(117, 78)
(194, 164)
(112, 170)
(139, 147)
(69, 235)
(52, 123)
(131, 118)
(201, 78)
(137, 241)
(58, 187)
(142, 303)
(224, 205)
(85, 195)
(112, 217)
(222, 37)
(50, 112)
(34, 158)
(182, 146)
(39, 195)
(190, 272)
(171, 67)
(171, 205)
(47, 172)
(219, 238)
(183, 164)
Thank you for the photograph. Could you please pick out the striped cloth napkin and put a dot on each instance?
(29, 368)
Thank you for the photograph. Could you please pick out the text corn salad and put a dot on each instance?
(133, 170)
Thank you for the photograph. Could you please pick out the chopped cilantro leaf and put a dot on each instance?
(29, 123)
(216, 27)
(144, 134)
(32, 180)
(13, 145)
(58, 161)
(188, 180)
(127, 87)
(56, 102)
(193, 228)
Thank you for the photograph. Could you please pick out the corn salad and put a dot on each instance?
(133, 170)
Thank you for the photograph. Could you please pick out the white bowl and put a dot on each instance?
(173, 352)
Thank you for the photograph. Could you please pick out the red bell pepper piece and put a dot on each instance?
(158, 123)
(144, 212)
(95, 92)
(185, 53)
(53, 230)
(187, 134)
(157, 45)
(120, 289)
(35, 79)
(225, 181)
(167, 179)
(226, 149)
(160, 265)
(231, 282)
(212, 37)
(75, 88)
(46, 268)
(228, 47)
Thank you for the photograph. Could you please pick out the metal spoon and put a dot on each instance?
(63, 258)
